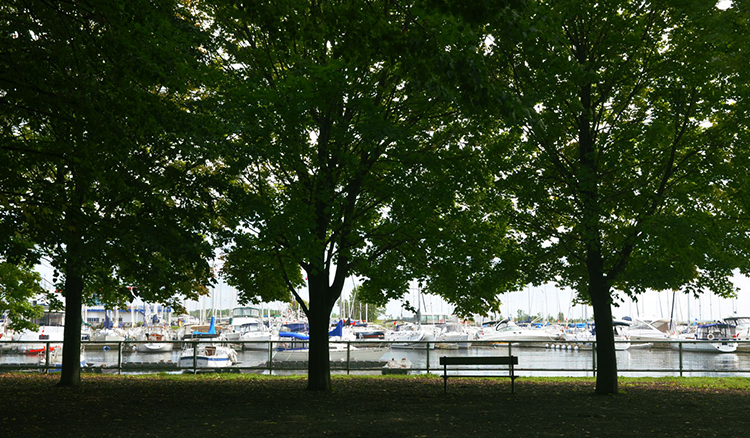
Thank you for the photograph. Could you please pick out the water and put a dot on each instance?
(634, 362)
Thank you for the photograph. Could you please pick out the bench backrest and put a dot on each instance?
(479, 360)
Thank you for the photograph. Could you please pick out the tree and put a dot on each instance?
(623, 178)
(104, 169)
(349, 155)
(18, 285)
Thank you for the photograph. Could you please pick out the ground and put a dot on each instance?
(412, 406)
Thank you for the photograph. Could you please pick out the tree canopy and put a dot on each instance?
(350, 154)
(103, 163)
(624, 158)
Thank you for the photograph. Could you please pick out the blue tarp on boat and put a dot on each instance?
(211, 329)
(294, 335)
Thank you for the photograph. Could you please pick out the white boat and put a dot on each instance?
(718, 337)
(51, 329)
(156, 337)
(451, 335)
(208, 355)
(508, 331)
(107, 336)
(252, 333)
(588, 337)
(408, 335)
(741, 326)
(644, 334)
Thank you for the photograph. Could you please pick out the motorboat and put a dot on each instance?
(337, 352)
(718, 337)
(208, 355)
(644, 334)
(252, 333)
(409, 335)
(451, 335)
(50, 332)
(507, 331)
(588, 337)
(107, 337)
(156, 337)
(741, 326)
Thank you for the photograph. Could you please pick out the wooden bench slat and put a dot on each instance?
(479, 360)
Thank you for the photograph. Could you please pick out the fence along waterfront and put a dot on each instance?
(561, 358)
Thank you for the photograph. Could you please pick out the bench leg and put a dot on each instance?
(512, 380)
(445, 379)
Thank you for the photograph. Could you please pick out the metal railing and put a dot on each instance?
(48, 359)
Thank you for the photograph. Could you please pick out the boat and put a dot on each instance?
(294, 346)
(451, 335)
(409, 335)
(446, 330)
(208, 355)
(156, 337)
(741, 326)
(588, 337)
(507, 331)
(51, 332)
(718, 337)
(643, 334)
(107, 337)
(397, 367)
(337, 352)
(250, 333)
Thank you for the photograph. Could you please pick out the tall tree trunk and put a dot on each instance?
(606, 372)
(71, 363)
(319, 368)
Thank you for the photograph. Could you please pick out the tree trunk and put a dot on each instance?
(71, 363)
(606, 370)
(319, 368)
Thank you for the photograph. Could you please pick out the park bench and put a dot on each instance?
(509, 361)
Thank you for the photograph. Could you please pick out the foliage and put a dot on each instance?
(18, 284)
(89, 127)
(622, 170)
(106, 176)
(350, 157)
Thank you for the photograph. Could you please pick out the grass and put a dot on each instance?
(248, 405)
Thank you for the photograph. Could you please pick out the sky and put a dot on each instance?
(547, 300)
(550, 300)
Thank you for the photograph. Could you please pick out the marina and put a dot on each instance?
(554, 359)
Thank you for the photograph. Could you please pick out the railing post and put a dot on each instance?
(680, 350)
(428, 357)
(46, 358)
(593, 358)
(348, 356)
(195, 357)
(270, 357)
(119, 357)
